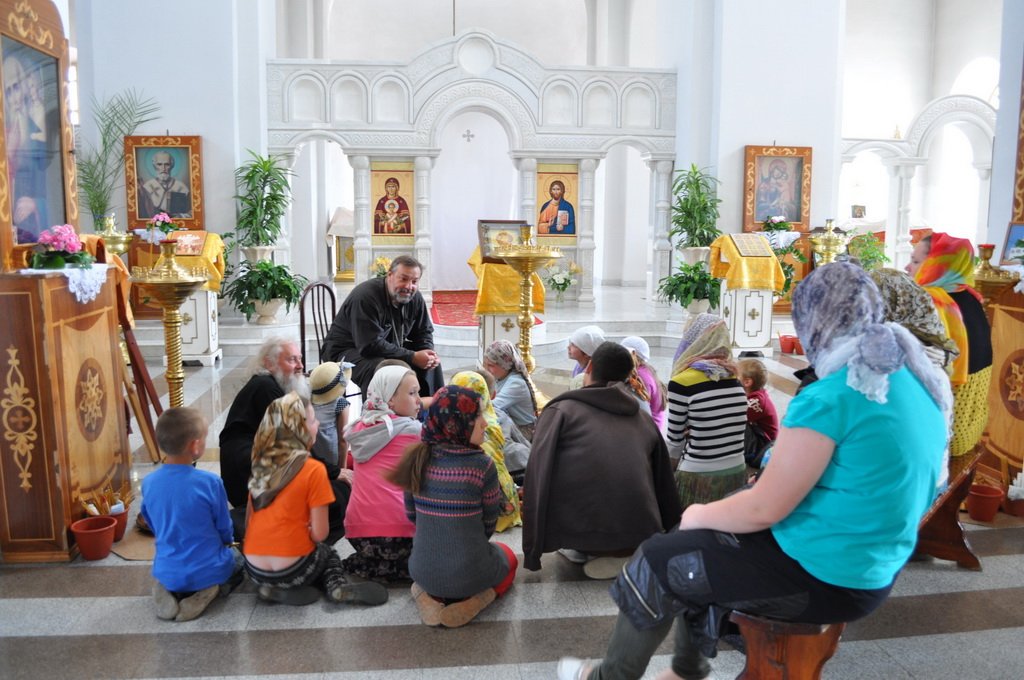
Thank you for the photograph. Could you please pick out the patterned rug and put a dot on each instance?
(455, 308)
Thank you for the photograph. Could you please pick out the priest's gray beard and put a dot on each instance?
(293, 382)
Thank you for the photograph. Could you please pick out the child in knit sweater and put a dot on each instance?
(452, 495)
(762, 419)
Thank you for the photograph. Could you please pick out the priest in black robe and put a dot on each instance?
(386, 318)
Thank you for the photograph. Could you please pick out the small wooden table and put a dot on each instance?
(940, 533)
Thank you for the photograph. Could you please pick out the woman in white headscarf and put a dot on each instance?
(375, 521)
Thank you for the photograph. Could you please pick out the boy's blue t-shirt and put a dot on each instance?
(188, 512)
(858, 525)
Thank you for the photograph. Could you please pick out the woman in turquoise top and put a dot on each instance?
(822, 535)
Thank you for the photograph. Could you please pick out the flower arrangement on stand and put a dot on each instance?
(380, 267)
(59, 246)
(160, 225)
(781, 237)
(560, 280)
(776, 223)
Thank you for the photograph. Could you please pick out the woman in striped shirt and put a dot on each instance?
(707, 413)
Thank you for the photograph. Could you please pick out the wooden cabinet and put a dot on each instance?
(61, 411)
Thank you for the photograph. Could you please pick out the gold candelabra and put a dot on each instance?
(828, 244)
(114, 241)
(990, 280)
(526, 258)
(170, 284)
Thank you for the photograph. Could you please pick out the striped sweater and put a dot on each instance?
(455, 513)
(706, 421)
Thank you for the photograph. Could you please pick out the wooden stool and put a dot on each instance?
(781, 650)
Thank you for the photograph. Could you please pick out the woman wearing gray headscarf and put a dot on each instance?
(851, 474)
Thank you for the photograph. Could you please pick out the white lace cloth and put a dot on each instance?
(84, 283)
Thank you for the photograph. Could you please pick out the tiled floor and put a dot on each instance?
(89, 620)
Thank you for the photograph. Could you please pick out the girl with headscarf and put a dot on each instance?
(514, 391)
(649, 384)
(823, 533)
(287, 514)
(493, 445)
(453, 497)
(944, 266)
(375, 521)
(707, 413)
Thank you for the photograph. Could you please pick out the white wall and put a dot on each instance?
(782, 65)
(206, 82)
(966, 31)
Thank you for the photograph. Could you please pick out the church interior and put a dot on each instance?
(444, 130)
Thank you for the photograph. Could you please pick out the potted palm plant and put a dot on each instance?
(262, 287)
(694, 213)
(263, 196)
(101, 167)
(692, 286)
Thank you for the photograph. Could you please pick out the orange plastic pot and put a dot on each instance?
(983, 502)
(94, 536)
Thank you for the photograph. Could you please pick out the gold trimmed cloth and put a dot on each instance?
(752, 273)
(497, 290)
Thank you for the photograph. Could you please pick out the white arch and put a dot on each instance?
(487, 98)
(975, 116)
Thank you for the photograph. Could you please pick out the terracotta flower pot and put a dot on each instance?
(787, 344)
(122, 524)
(983, 502)
(94, 536)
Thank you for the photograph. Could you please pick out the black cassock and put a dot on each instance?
(369, 329)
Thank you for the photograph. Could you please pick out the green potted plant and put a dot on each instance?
(694, 212)
(263, 196)
(869, 251)
(101, 167)
(691, 284)
(782, 240)
(262, 287)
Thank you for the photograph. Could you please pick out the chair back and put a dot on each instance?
(322, 307)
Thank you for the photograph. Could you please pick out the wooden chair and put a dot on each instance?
(323, 308)
(781, 650)
(940, 533)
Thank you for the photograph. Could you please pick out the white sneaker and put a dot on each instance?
(604, 568)
(571, 668)
(574, 556)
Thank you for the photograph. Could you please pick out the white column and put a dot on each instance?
(585, 232)
(361, 215)
(290, 158)
(902, 171)
(423, 247)
(984, 190)
(527, 189)
(660, 262)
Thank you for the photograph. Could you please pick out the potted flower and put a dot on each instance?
(692, 286)
(380, 267)
(57, 247)
(869, 251)
(263, 196)
(560, 280)
(101, 167)
(694, 213)
(160, 225)
(262, 287)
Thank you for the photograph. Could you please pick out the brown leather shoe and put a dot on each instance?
(459, 614)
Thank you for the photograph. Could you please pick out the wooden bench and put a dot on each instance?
(783, 650)
(940, 533)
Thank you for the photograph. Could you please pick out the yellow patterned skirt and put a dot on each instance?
(970, 412)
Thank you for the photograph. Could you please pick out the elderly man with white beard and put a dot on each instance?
(277, 371)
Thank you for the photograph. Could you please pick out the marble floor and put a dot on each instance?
(87, 620)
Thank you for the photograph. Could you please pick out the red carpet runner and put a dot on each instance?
(455, 308)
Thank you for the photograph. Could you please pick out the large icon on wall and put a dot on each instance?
(393, 214)
(32, 129)
(777, 181)
(557, 197)
(164, 174)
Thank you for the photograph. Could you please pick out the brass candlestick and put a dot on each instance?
(828, 244)
(990, 280)
(526, 258)
(115, 241)
(170, 285)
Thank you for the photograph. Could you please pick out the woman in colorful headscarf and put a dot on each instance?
(453, 497)
(375, 521)
(707, 413)
(823, 533)
(514, 392)
(944, 266)
(287, 514)
(493, 445)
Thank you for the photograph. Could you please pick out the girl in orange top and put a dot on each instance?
(286, 515)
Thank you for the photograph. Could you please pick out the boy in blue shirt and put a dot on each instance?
(187, 509)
